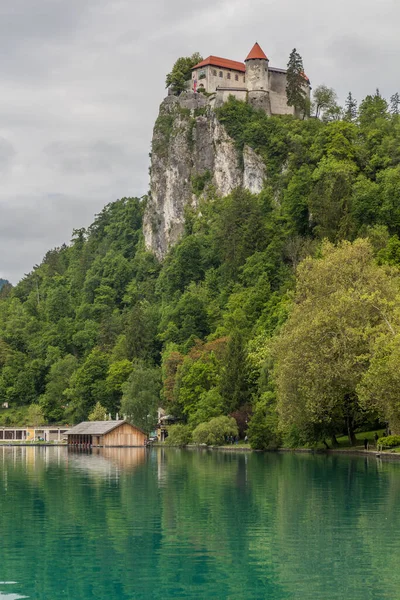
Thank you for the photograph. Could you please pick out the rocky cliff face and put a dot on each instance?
(191, 151)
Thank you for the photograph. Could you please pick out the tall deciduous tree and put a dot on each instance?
(343, 301)
(379, 387)
(324, 100)
(295, 86)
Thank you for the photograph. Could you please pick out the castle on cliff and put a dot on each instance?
(254, 81)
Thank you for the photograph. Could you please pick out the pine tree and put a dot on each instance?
(351, 112)
(296, 94)
(234, 385)
(395, 103)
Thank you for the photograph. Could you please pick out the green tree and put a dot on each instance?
(98, 413)
(196, 386)
(263, 431)
(88, 385)
(373, 111)
(53, 401)
(118, 374)
(379, 386)
(329, 202)
(181, 72)
(35, 416)
(234, 381)
(296, 81)
(395, 103)
(324, 100)
(141, 396)
(350, 111)
(343, 301)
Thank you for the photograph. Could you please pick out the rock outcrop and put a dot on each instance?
(191, 153)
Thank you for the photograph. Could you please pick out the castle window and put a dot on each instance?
(202, 75)
(236, 77)
(244, 79)
(214, 72)
(228, 75)
(221, 74)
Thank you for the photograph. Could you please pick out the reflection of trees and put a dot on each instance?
(194, 524)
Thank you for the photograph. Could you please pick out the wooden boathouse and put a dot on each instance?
(102, 434)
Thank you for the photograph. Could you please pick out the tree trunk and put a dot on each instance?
(325, 444)
(334, 441)
(350, 431)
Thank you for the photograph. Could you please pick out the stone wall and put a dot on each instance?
(257, 74)
(223, 95)
(277, 82)
(279, 104)
(213, 80)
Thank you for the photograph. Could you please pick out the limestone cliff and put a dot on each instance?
(191, 151)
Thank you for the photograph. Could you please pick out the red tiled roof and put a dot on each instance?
(256, 52)
(305, 77)
(224, 63)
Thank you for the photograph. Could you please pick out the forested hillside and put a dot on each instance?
(280, 309)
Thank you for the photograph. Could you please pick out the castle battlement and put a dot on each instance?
(254, 80)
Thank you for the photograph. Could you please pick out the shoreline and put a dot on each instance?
(346, 451)
(234, 448)
(37, 444)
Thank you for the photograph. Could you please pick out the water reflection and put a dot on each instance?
(104, 461)
(10, 596)
(133, 523)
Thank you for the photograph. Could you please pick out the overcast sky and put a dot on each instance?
(81, 81)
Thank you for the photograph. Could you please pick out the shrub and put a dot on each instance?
(390, 441)
(199, 182)
(179, 435)
(214, 432)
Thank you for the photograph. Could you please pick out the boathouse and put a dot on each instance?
(43, 433)
(106, 434)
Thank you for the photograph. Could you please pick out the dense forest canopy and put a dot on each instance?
(279, 309)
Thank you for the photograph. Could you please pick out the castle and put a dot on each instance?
(254, 81)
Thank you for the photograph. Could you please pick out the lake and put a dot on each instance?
(120, 524)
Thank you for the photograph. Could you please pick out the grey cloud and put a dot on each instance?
(7, 154)
(82, 81)
(81, 157)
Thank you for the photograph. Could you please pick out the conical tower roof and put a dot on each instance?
(256, 52)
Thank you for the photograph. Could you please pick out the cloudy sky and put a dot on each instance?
(81, 82)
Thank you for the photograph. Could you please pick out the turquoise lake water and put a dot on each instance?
(123, 524)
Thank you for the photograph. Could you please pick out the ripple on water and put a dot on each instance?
(12, 595)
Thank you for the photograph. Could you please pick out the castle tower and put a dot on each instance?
(257, 78)
(257, 69)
